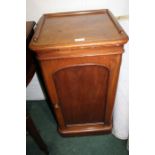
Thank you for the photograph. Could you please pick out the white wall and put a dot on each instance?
(121, 108)
(33, 90)
(35, 8)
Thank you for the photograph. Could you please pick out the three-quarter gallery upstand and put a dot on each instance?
(79, 54)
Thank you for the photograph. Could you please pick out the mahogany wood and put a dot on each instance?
(30, 67)
(83, 103)
(31, 128)
(79, 54)
(30, 70)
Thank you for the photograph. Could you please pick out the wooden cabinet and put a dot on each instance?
(79, 54)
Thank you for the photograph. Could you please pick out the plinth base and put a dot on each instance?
(75, 130)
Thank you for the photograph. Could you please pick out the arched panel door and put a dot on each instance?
(82, 93)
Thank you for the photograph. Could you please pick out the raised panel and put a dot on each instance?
(82, 93)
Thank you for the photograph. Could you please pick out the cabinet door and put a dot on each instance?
(82, 93)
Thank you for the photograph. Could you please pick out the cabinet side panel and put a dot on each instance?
(82, 93)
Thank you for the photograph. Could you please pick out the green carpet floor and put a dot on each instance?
(58, 145)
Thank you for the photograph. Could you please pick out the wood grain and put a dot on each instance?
(87, 96)
(80, 75)
(60, 30)
(30, 67)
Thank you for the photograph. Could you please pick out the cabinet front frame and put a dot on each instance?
(50, 66)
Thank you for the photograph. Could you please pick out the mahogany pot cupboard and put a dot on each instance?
(79, 54)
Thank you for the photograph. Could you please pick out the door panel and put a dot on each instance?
(82, 93)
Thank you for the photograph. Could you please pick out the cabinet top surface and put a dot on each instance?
(77, 29)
